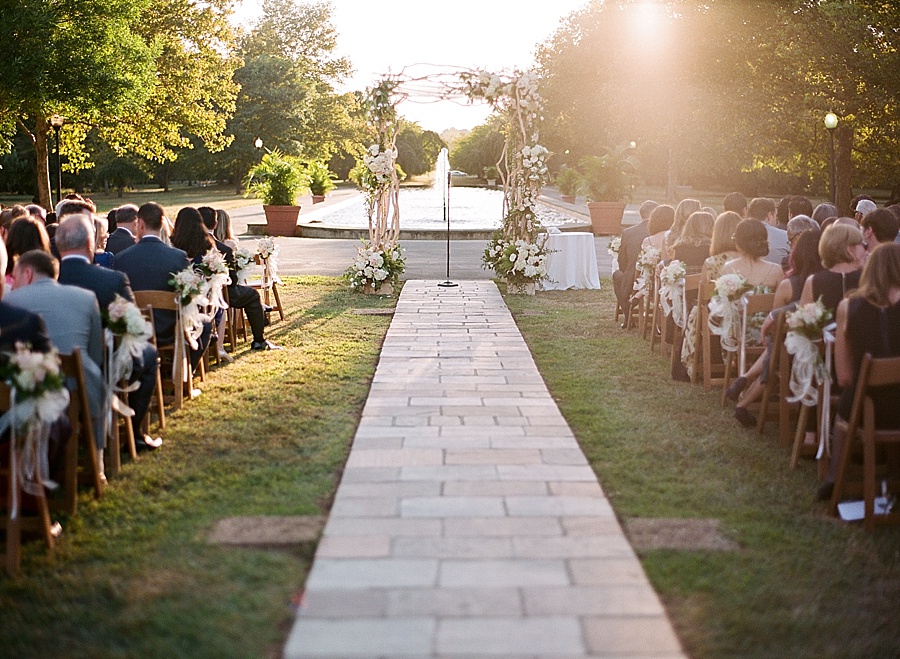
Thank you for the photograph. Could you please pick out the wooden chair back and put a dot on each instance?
(82, 429)
(268, 287)
(713, 368)
(179, 365)
(861, 429)
(14, 525)
(736, 362)
(688, 300)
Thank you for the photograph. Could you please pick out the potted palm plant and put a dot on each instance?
(568, 181)
(320, 180)
(278, 179)
(606, 183)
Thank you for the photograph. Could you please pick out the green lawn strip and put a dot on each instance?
(802, 584)
(133, 575)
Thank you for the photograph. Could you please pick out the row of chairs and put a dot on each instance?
(80, 463)
(864, 440)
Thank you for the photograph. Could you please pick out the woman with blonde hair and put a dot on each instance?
(693, 245)
(683, 211)
(843, 254)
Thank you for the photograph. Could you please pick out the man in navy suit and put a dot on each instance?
(240, 297)
(149, 265)
(75, 240)
(123, 236)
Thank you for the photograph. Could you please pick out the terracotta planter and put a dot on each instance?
(281, 220)
(492, 182)
(567, 198)
(318, 198)
(606, 217)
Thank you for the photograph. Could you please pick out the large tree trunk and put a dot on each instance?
(42, 162)
(843, 169)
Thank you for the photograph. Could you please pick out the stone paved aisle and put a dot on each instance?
(468, 522)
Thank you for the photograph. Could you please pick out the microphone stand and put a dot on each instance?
(447, 283)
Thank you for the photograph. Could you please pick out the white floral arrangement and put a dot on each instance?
(671, 290)
(724, 314)
(615, 243)
(243, 264)
(380, 162)
(806, 327)
(189, 286)
(374, 267)
(732, 287)
(126, 322)
(519, 261)
(647, 260)
(267, 250)
(214, 269)
(38, 398)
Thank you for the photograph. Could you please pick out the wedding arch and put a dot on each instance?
(515, 251)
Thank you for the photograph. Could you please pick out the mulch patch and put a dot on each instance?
(674, 533)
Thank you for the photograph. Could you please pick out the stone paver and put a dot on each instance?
(468, 522)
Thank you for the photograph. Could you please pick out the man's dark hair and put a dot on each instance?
(152, 215)
(126, 214)
(735, 202)
(760, 208)
(882, 223)
(800, 205)
(72, 207)
(209, 217)
(41, 262)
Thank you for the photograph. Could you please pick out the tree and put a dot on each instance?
(417, 150)
(481, 147)
(72, 57)
(287, 95)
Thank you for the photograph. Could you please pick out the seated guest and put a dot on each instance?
(799, 205)
(101, 256)
(867, 322)
(149, 265)
(18, 325)
(764, 210)
(241, 297)
(224, 232)
(37, 212)
(878, 227)
(190, 235)
(123, 236)
(629, 247)
(843, 254)
(823, 212)
(692, 247)
(735, 202)
(682, 212)
(74, 239)
(25, 234)
(72, 317)
(7, 216)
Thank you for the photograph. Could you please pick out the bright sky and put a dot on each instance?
(380, 37)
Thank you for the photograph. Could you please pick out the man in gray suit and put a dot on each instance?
(72, 317)
(629, 248)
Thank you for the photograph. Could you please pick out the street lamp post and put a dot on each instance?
(258, 143)
(831, 122)
(57, 122)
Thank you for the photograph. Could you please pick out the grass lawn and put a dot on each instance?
(801, 585)
(134, 576)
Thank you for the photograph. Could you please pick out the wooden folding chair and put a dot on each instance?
(746, 352)
(861, 432)
(776, 391)
(713, 369)
(688, 299)
(16, 524)
(82, 433)
(178, 364)
(646, 308)
(268, 287)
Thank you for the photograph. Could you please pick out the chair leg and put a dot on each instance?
(113, 448)
(799, 434)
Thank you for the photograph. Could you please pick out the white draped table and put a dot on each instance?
(572, 261)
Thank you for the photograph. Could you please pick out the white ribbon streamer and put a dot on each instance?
(807, 370)
(825, 418)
